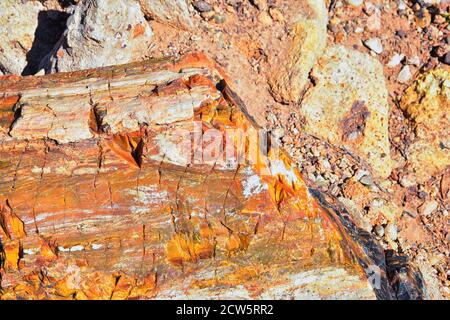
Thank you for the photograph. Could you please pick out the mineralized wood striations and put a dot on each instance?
(100, 198)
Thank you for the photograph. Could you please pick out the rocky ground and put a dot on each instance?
(357, 91)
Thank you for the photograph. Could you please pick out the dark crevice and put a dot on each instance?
(51, 25)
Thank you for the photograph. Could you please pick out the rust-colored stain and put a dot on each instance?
(138, 30)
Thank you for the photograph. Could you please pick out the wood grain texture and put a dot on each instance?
(97, 202)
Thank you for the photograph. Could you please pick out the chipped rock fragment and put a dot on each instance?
(374, 44)
(405, 75)
(306, 44)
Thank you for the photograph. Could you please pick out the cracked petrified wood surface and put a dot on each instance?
(97, 201)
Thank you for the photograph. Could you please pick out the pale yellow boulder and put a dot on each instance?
(427, 104)
(348, 106)
(307, 40)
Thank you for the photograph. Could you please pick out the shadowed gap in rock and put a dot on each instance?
(51, 25)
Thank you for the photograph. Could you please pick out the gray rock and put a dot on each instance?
(407, 181)
(446, 58)
(355, 3)
(379, 230)
(101, 33)
(395, 60)
(202, 6)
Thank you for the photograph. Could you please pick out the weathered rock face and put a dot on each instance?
(109, 199)
(100, 33)
(30, 30)
(174, 12)
(306, 44)
(16, 41)
(427, 104)
(348, 106)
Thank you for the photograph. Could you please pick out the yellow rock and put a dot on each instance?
(308, 40)
(427, 104)
(348, 106)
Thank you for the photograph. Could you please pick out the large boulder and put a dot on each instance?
(101, 33)
(30, 30)
(348, 106)
(307, 40)
(19, 22)
(427, 104)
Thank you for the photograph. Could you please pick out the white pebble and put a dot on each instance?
(374, 44)
(405, 75)
(395, 60)
(415, 60)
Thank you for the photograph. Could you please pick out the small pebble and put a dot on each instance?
(405, 75)
(202, 6)
(366, 180)
(355, 3)
(218, 18)
(428, 207)
(391, 232)
(374, 44)
(407, 181)
(265, 18)
(379, 230)
(400, 33)
(374, 21)
(446, 58)
(415, 60)
(378, 202)
(395, 60)
(401, 5)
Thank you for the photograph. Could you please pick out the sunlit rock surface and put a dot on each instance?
(348, 106)
(112, 187)
(19, 22)
(427, 104)
(100, 33)
(307, 41)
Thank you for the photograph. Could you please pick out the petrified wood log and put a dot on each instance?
(111, 186)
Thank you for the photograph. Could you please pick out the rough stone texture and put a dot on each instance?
(117, 215)
(174, 12)
(308, 38)
(101, 33)
(18, 24)
(348, 106)
(427, 104)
